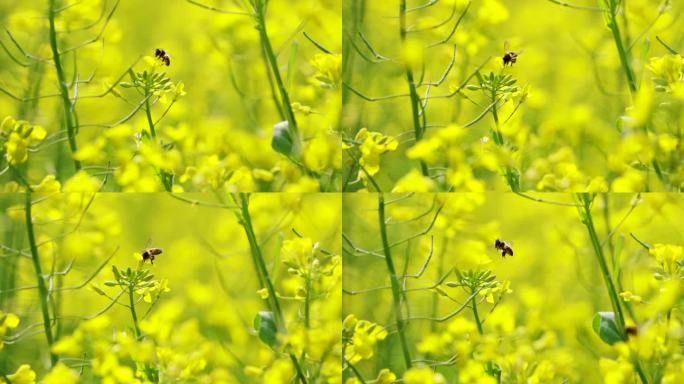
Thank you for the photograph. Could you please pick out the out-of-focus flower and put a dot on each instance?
(328, 69)
(297, 253)
(8, 321)
(500, 288)
(157, 287)
(23, 375)
(423, 375)
(616, 371)
(668, 256)
(427, 150)
(263, 293)
(628, 296)
(414, 181)
(48, 185)
(667, 68)
(61, 374)
(372, 145)
(16, 136)
(385, 376)
(365, 335)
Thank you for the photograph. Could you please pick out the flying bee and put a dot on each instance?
(150, 253)
(510, 57)
(503, 247)
(163, 56)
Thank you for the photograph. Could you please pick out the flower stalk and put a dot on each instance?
(473, 300)
(69, 108)
(138, 333)
(413, 93)
(42, 288)
(585, 200)
(625, 60)
(150, 122)
(286, 106)
(264, 276)
(585, 206)
(395, 284)
(258, 259)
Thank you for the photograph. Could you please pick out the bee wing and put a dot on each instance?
(506, 46)
(520, 52)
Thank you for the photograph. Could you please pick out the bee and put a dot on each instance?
(163, 56)
(503, 247)
(150, 253)
(510, 57)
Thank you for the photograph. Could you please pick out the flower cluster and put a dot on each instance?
(17, 137)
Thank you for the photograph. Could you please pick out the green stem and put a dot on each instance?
(611, 248)
(475, 314)
(440, 272)
(63, 89)
(57, 307)
(166, 182)
(22, 180)
(498, 137)
(260, 11)
(625, 60)
(415, 100)
(138, 334)
(396, 286)
(307, 301)
(259, 260)
(274, 96)
(603, 264)
(355, 371)
(42, 289)
(626, 63)
(150, 122)
(499, 140)
(639, 369)
(298, 368)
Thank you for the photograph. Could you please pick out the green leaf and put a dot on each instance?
(117, 275)
(606, 328)
(265, 325)
(282, 141)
